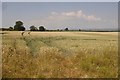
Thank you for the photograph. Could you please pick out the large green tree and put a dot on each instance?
(66, 29)
(33, 28)
(19, 26)
(41, 28)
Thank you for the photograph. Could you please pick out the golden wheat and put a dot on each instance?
(60, 55)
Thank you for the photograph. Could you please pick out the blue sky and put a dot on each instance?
(59, 15)
(59, 0)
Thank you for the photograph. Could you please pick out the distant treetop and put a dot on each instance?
(19, 26)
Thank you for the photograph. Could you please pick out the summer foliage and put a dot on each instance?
(60, 55)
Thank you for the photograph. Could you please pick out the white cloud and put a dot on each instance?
(81, 15)
(66, 18)
(69, 14)
(91, 17)
(54, 13)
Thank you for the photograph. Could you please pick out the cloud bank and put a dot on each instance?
(60, 19)
(78, 14)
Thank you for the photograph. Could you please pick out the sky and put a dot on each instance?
(59, 0)
(59, 15)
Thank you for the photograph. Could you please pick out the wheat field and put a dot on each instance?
(60, 55)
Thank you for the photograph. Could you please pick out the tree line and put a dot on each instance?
(19, 27)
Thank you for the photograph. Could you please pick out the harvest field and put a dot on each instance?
(60, 55)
